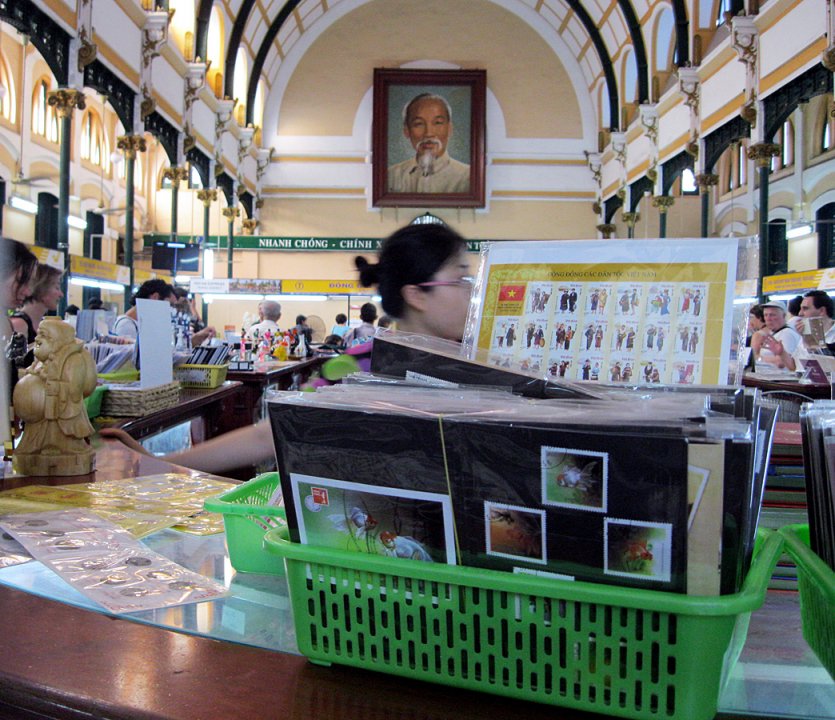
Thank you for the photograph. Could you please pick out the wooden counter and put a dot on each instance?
(279, 376)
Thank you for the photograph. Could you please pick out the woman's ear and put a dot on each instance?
(414, 297)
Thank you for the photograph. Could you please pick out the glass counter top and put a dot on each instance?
(777, 676)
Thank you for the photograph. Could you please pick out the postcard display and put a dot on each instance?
(656, 495)
(634, 311)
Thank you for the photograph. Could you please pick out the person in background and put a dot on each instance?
(44, 295)
(756, 321)
(341, 326)
(770, 344)
(384, 322)
(269, 311)
(793, 307)
(71, 311)
(814, 304)
(185, 305)
(363, 332)
(95, 303)
(423, 278)
(127, 325)
(17, 265)
(303, 330)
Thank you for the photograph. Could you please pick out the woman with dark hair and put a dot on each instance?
(44, 295)
(17, 264)
(423, 279)
(423, 276)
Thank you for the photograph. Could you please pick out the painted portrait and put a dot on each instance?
(428, 138)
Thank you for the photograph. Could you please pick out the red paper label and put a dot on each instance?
(320, 496)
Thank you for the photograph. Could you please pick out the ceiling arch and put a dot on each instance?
(595, 32)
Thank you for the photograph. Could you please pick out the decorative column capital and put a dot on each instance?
(230, 213)
(175, 174)
(688, 85)
(65, 100)
(606, 230)
(131, 144)
(207, 196)
(648, 114)
(705, 181)
(828, 58)
(761, 153)
(630, 218)
(249, 225)
(663, 203)
(744, 38)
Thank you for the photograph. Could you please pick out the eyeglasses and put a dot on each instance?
(466, 282)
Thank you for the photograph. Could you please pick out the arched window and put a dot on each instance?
(258, 109)
(664, 35)
(44, 120)
(785, 139)
(215, 51)
(239, 87)
(630, 79)
(8, 95)
(93, 141)
(826, 123)
(733, 166)
(194, 181)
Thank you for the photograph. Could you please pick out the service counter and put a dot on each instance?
(236, 657)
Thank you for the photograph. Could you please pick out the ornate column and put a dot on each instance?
(745, 39)
(649, 122)
(130, 145)
(596, 168)
(663, 203)
(154, 34)
(176, 175)
(688, 85)
(761, 154)
(249, 225)
(630, 218)
(705, 181)
(230, 214)
(207, 197)
(263, 158)
(65, 101)
(619, 146)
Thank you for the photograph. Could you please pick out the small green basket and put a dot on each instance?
(619, 651)
(816, 582)
(246, 517)
(92, 403)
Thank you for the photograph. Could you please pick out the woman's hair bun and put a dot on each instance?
(369, 274)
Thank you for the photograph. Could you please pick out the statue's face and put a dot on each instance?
(45, 344)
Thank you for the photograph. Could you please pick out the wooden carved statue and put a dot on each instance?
(49, 398)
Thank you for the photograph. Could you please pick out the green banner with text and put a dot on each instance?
(287, 244)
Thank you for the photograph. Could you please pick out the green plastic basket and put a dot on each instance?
(92, 403)
(247, 517)
(816, 582)
(619, 651)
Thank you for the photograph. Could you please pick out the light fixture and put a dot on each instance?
(76, 222)
(745, 301)
(183, 279)
(798, 231)
(24, 205)
(296, 298)
(101, 284)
